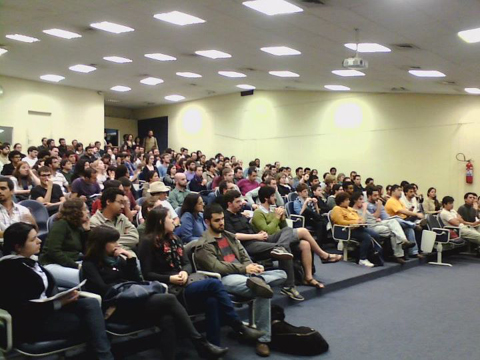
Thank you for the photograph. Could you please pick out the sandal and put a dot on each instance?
(314, 283)
(332, 258)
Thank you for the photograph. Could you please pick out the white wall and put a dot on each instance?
(75, 113)
(390, 137)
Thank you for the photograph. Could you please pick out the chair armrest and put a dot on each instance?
(443, 235)
(6, 335)
(210, 274)
(296, 218)
(87, 294)
(341, 232)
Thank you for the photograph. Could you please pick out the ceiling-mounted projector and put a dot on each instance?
(355, 63)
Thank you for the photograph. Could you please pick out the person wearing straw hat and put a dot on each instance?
(159, 190)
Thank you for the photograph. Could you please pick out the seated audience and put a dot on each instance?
(89, 154)
(219, 251)
(23, 279)
(178, 195)
(210, 172)
(86, 187)
(165, 159)
(149, 166)
(273, 221)
(252, 196)
(147, 206)
(336, 189)
(58, 178)
(131, 206)
(99, 166)
(357, 184)
(250, 182)
(467, 211)
(198, 183)
(262, 246)
(226, 175)
(192, 224)
(283, 186)
(14, 158)
(152, 176)
(31, 157)
(159, 191)
(237, 174)
(107, 265)
(4, 152)
(24, 180)
(342, 214)
(64, 246)
(47, 192)
(113, 202)
(190, 172)
(409, 199)
(169, 178)
(431, 204)
(163, 259)
(79, 170)
(468, 230)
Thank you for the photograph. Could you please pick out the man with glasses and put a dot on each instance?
(113, 202)
(48, 193)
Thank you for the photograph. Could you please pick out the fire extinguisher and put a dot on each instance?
(469, 173)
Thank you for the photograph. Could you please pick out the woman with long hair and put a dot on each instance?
(152, 176)
(169, 178)
(431, 205)
(23, 279)
(149, 165)
(23, 180)
(64, 246)
(283, 186)
(79, 149)
(191, 220)
(107, 264)
(101, 172)
(163, 259)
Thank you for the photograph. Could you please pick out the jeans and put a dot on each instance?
(362, 236)
(237, 284)
(409, 229)
(83, 316)
(210, 297)
(64, 276)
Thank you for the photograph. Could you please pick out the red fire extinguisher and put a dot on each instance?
(469, 173)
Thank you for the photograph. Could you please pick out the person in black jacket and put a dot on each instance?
(163, 258)
(22, 280)
(107, 264)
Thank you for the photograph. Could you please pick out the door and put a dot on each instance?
(159, 126)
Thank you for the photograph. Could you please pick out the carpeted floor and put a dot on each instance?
(427, 312)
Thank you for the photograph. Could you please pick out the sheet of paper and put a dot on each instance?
(60, 294)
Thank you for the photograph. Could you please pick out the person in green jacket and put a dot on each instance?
(65, 242)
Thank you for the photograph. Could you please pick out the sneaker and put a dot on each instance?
(292, 293)
(259, 287)
(366, 263)
(280, 253)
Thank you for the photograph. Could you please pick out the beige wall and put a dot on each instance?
(75, 113)
(390, 137)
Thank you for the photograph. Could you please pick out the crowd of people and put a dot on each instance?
(133, 213)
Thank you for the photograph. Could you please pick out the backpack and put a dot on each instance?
(375, 256)
(295, 340)
(298, 270)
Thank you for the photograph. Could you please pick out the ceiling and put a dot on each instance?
(318, 32)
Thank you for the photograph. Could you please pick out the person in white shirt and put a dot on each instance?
(468, 230)
(409, 200)
(31, 157)
(53, 162)
(159, 190)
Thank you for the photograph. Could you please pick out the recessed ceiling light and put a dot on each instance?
(113, 100)
(189, 74)
(213, 54)
(174, 97)
(52, 78)
(367, 47)
(475, 91)
(337, 87)
(82, 68)
(178, 18)
(160, 57)
(111, 27)
(3, 51)
(470, 36)
(232, 74)
(62, 33)
(280, 50)
(427, 73)
(283, 73)
(348, 73)
(22, 38)
(120, 88)
(151, 81)
(246, 87)
(117, 59)
(273, 7)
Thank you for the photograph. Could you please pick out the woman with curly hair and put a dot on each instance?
(23, 180)
(62, 253)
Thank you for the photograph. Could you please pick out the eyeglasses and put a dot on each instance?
(45, 175)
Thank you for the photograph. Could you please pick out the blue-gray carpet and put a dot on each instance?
(426, 312)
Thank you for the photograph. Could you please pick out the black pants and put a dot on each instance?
(83, 317)
(318, 223)
(164, 311)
